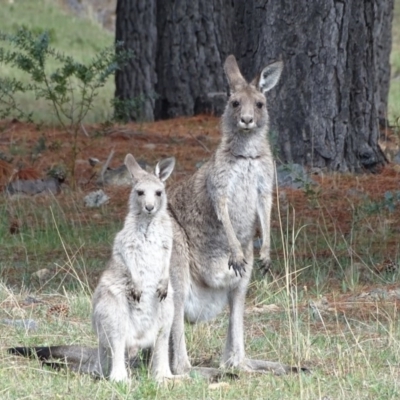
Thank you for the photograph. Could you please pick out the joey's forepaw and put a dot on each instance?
(162, 289)
(238, 265)
(134, 294)
(162, 293)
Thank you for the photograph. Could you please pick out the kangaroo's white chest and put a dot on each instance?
(242, 193)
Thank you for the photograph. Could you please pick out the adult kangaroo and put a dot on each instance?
(215, 214)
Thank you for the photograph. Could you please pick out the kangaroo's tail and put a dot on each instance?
(77, 358)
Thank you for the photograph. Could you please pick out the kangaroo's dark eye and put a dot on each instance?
(158, 193)
(140, 192)
(235, 104)
(259, 104)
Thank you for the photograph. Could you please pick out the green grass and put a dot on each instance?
(80, 38)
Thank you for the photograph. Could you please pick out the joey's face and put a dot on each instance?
(148, 196)
(247, 109)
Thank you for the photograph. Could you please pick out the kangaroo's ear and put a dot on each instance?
(133, 167)
(164, 168)
(269, 77)
(235, 78)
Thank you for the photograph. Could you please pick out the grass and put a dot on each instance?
(321, 317)
(80, 38)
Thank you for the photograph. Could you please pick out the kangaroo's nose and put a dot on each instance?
(149, 207)
(246, 119)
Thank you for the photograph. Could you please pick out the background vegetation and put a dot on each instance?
(80, 38)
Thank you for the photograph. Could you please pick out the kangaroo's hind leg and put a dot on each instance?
(119, 372)
(159, 364)
(179, 273)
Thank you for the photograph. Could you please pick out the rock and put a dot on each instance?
(34, 186)
(28, 324)
(96, 199)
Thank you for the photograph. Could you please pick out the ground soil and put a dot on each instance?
(36, 150)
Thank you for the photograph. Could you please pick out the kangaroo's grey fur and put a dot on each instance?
(133, 302)
(216, 212)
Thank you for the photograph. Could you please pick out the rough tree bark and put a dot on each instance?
(193, 41)
(136, 28)
(335, 82)
(334, 88)
(383, 33)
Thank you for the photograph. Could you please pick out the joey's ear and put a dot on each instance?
(235, 78)
(133, 167)
(269, 77)
(164, 168)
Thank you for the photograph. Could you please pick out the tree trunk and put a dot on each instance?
(135, 82)
(383, 33)
(334, 88)
(335, 82)
(193, 42)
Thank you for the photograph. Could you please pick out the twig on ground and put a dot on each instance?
(200, 143)
(106, 164)
(84, 130)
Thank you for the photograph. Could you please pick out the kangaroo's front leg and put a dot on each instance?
(236, 259)
(134, 283)
(163, 283)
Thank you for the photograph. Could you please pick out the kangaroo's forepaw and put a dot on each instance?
(238, 264)
(265, 266)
